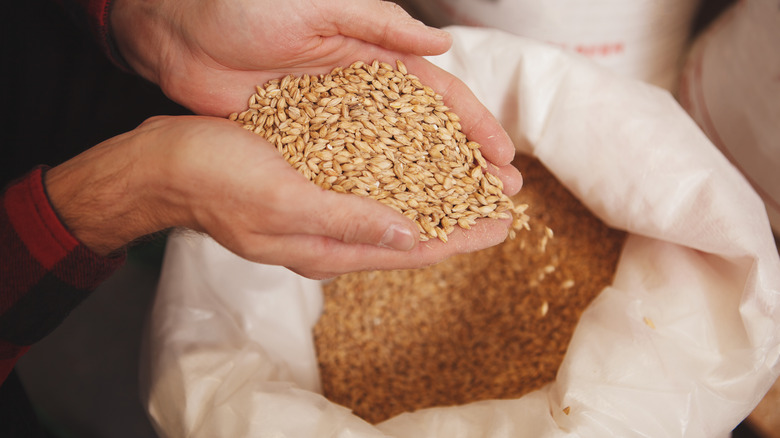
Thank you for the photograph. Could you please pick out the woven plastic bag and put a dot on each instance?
(230, 351)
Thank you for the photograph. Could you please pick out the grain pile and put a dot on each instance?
(492, 324)
(377, 131)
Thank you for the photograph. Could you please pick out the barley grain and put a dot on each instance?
(389, 137)
(545, 308)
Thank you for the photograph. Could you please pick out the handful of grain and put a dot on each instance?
(378, 132)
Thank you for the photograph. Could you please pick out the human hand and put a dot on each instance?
(209, 175)
(209, 55)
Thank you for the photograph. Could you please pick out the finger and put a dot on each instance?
(321, 257)
(353, 219)
(345, 218)
(509, 176)
(386, 24)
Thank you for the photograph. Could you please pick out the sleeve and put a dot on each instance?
(45, 272)
(94, 16)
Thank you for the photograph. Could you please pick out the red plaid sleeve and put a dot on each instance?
(45, 272)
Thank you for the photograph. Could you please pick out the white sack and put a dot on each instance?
(230, 350)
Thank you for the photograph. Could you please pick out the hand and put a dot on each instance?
(210, 175)
(208, 55)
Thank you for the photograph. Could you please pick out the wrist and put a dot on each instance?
(102, 197)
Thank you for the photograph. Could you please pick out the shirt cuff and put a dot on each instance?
(46, 271)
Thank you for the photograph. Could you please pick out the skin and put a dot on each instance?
(207, 174)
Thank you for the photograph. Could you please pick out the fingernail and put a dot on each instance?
(397, 237)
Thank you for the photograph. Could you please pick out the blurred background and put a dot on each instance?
(82, 380)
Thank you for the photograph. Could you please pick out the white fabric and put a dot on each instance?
(230, 352)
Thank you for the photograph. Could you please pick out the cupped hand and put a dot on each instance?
(212, 176)
(209, 55)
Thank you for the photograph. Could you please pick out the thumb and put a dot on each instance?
(387, 24)
(355, 219)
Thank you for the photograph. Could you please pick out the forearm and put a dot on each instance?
(107, 195)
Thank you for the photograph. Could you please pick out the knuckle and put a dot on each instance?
(344, 228)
